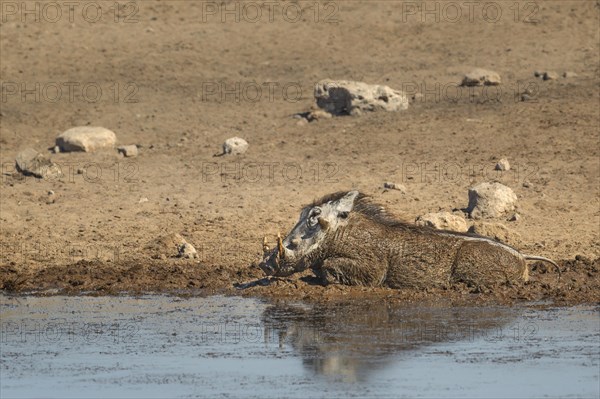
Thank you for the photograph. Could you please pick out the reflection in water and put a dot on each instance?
(350, 341)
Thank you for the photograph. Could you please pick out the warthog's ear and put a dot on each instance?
(346, 203)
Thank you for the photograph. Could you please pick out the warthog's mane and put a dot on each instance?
(367, 208)
(378, 214)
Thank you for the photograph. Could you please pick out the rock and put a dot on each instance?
(128, 150)
(515, 218)
(142, 200)
(31, 163)
(490, 200)
(318, 114)
(443, 221)
(56, 149)
(550, 76)
(569, 74)
(86, 138)
(187, 251)
(395, 186)
(497, 231)
(235, 146)
(538, 74)
(503, 165)
(167, 246)
(481, 77)
(417, 96)
(342, 97)
(302, 122)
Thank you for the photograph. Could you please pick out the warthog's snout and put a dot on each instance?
(276, 262)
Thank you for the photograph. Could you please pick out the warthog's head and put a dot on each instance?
(304, 244)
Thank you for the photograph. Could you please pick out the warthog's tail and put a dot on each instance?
(542, 259)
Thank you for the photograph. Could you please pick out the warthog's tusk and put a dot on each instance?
(266, 248)
(280, 250)
(323, 223)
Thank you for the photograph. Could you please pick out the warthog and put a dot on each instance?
(347, 239)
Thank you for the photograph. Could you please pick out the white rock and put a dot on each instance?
(395, 186)
(31, 163)
(235, 146)
(569, 74)
(550, 76)
(442, 221)
(490, 200)
(86, 138)
(503, 165)
(318, 114)
(187, 251)
(128, 150)
(481, 77)
(342, 97)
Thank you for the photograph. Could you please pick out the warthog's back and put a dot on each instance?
(418, 257)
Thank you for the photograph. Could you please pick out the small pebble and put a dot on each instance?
(503, 165)
(394, 186)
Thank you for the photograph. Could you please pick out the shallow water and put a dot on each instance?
(158, 346)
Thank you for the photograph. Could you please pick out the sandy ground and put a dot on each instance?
(175, 79)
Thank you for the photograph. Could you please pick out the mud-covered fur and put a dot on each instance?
(345, 238)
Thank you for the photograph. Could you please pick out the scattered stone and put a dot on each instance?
(302, 122)
(490, 200)
(569, 74)
(128, 150)
(503, 165)
(235, 146)
(31, 163)
(527, 184)
(443, 221)
(538, 74)
(481, 77)
(395, 186)
(497, 231)
(550, 76)
(86, 138)
(342, 97)
(318, 114)
(187, 251)
(142, 200)
(526, 97)
(167, 246)
(56, 149)
(417, 97)
(515, 218)
(50, 198)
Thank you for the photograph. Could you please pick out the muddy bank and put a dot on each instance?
(579, 283)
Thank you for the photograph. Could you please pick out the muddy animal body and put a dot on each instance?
(345, 238)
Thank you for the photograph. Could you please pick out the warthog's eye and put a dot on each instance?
(312, 217)
(343, 215)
